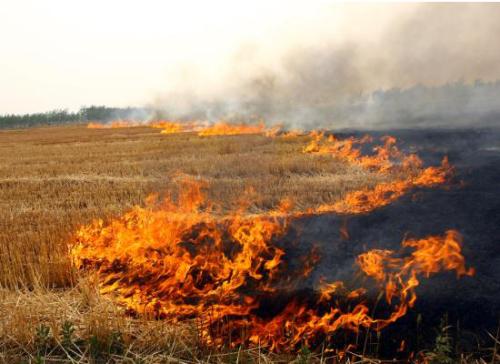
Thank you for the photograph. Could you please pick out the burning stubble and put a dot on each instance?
(187, 259)
(79, 174)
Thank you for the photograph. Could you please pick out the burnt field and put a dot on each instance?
(272, 233)
(470, 204)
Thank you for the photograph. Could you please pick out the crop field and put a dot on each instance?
(54, 179)
(186, 243)
(179, 185)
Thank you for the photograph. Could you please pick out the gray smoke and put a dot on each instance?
(424, 70)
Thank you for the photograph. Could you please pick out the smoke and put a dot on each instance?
(419, 67)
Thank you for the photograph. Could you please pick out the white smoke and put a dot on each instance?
(420, 67)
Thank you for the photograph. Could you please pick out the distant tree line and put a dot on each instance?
(103, 113)
(46, 118)
(451, 105)
(85, 114)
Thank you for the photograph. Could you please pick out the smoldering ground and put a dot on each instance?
(470, 204)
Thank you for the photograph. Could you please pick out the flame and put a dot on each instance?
(387, 156)
(387, 159)
(369, 199)
(94, 125)
(173, 127)
(292, 134)
(277, 131)
(399, 275)
(168, 127)
(181, 258)
(203, 128)
(223, 128)
(114, 124)
(273, 131)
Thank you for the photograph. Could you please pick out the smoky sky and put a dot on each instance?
(436, 63)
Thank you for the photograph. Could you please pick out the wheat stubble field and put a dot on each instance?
(54, 179)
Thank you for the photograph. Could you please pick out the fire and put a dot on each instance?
(202, 128)
(168, 127)
(114, 124)
(273, 131)
(180, 260)
(399, 276)
(387, 158)
(173, 127)
(437, 253)
(223, 128)
(94, 125)
(183, 261)
(183, 258)
(292, 134)
(366, 200)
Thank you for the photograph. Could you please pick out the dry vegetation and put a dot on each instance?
(54, 179)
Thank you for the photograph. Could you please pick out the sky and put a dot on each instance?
(66, 54)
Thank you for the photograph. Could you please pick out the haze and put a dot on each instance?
(61, 54)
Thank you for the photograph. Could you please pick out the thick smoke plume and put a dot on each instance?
(436, 65)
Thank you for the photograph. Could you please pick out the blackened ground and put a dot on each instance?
(471, 205)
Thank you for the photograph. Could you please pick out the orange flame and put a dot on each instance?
(179, 260)
(94, 125)
(168, 127)
(366, 199)
(173, 127)
(114, 124)
(183, 259)
(223, 128)
(387, 158)
(292, 134)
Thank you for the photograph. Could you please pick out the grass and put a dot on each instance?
(54, 179)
